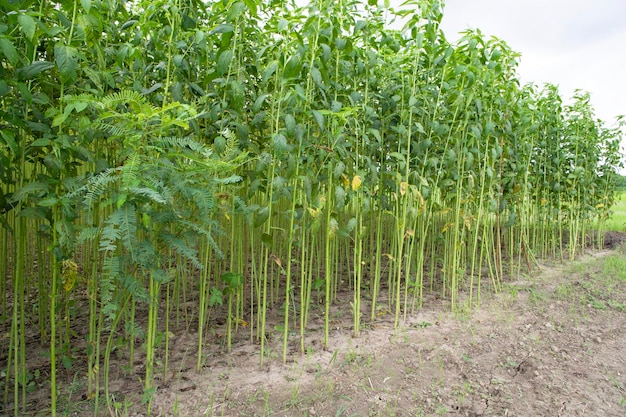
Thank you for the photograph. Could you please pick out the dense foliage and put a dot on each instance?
(247, 155)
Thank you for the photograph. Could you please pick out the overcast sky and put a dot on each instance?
(570, 43)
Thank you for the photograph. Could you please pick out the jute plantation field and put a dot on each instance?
(239, 207)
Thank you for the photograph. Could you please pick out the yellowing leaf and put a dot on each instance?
(421, 198)
(356, 182)
(333, 226)
(403, 186)
(345, 180)
(313, 212)
(446, 227)
(320, 202)
(69, 273)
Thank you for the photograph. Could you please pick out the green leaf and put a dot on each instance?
(86, 5)
(340, 197)
(223, 62)
(341, 43)
(48, 202)
(316, 75)
(151, 89)
(232, 279)
(34, 213)
(9, 140)
(339, 168)
(28, 26)
(9, 51)
(279, 144)
(223, 28)
(30, 71)
(290, 124)
(261, 216)
(196, 89)
(267, 240)
(251, 4)
(29, 189)
(128, 24)
(235, 10)
(282, 24)
(66, 58)
(67, 362)
(269, 71)
(160, 276)
(292, 67)
(216, 297)
(319, 118)
(258, 103)
(351, 224)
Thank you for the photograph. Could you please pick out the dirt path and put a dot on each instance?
(553, 345)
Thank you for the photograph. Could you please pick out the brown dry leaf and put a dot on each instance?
(276, 260)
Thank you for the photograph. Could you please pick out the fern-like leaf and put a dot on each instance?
(134, 287)
(112, 268)
(97, 186)
(133, 99)
(128, 227)
(130, 171)
(183, 143)
(207, 233)
(233, 179)
(204, 200)
(87, 234)
(149, 193)
(181, 247)
(120, 226)
(110, 235)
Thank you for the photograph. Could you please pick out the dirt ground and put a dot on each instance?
(550, 344)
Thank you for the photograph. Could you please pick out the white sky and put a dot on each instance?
(570, 43)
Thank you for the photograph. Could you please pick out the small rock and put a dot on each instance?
(598, 340)
(548, 325)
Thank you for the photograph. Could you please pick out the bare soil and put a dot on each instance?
(550, 344)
